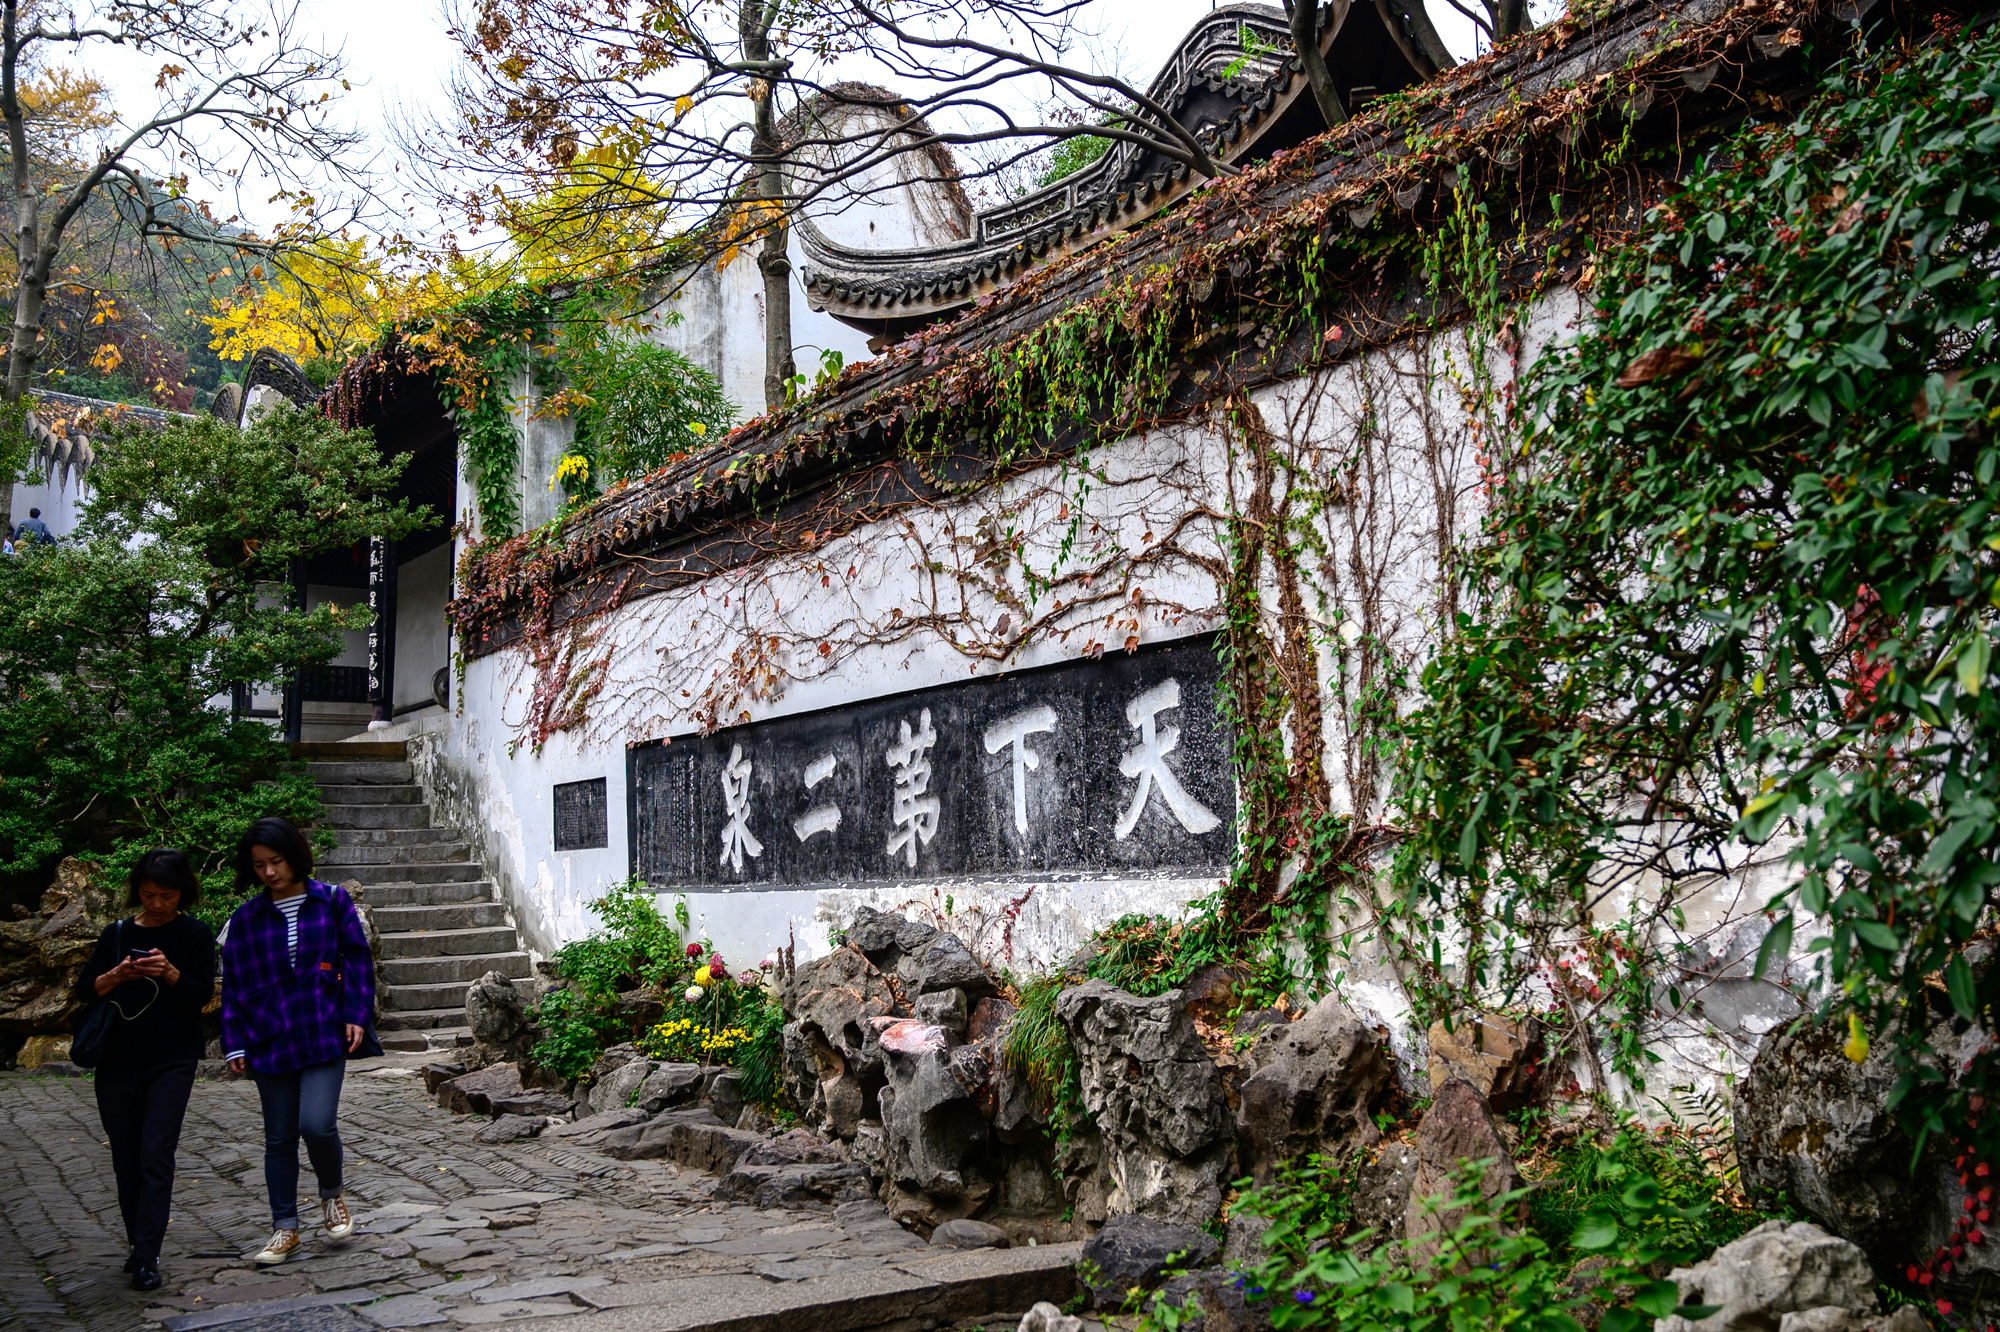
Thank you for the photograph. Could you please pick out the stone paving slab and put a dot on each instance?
(541, 1233)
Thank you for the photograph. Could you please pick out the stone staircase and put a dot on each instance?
(441, 924)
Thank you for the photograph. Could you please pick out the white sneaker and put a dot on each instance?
(284, 1243)
(339, 1221)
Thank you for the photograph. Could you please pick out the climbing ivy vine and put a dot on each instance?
(1737, 590)
(635, 404)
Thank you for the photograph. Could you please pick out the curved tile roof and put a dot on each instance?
(1243, 103)
(62, 428)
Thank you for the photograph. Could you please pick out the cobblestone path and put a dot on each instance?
(535, 1234)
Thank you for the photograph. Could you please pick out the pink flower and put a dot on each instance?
(715, 962)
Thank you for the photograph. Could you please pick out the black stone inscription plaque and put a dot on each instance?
(581, 820)
(1107, 765)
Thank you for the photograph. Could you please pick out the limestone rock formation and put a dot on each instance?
(620, 1085)
(796, 1147)
(893, 944)
(532, 1104)
(665, 1086)
(511, 1128)
(1501, 1057)
(777, 1186)
(949, 965)
(1382, 1190)
(41, 957)
(934, 1133)
(1214, 1292)
(497, 1018)
(1045, 1317)
(1793, 1277)
(1813, 1128)
(968, 1234)
(1458, 1127)
(473, 1093)
(725, 1096)
(943, 1008)
(1133, 1253)
(1312, 1086)
(1157, 1100)
(833, 1062)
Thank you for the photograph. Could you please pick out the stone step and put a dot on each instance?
(409, 794)
(374, 772)
(421, 1042)
(438, 997)
(464, 967)
(394, 836)
(422, 853)
(444, 996)
(433, 916)
(424, 894)
(417, 1019)
(904, 1289)
(343, 750)
(375, 816)
(460, 871)
(450, 943)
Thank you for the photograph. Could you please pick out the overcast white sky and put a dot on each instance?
(398, 54)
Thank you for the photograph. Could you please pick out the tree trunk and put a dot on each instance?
(1510, 19)
(1428, 43)
(767, 152)
(1302, 16)
(1420, 45)
(32, 279)
(779, 366)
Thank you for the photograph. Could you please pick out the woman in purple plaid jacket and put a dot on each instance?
(298, 990)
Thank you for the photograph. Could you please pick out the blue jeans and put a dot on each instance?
(300, 1104)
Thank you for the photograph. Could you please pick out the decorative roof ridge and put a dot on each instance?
(870, 285)
(56, 423)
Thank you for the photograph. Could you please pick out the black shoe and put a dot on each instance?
(132, 1262)
(145, 1276)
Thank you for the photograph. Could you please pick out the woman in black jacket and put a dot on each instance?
(159, 969)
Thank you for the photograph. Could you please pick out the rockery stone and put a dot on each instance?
(1133, 1253)
(1813, 1128)
(1312, 1087)
(1457, 1128)
(1157, 1100)
(1779, 1275)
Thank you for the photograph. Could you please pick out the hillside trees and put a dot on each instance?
(242, 98)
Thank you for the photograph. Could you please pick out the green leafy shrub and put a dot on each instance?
(573, 1031)
(1705, 1213)
(1484, 1274)
(634, 946)
(116, 642)
(1746, 557)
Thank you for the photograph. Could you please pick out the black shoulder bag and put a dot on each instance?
(91, 1035)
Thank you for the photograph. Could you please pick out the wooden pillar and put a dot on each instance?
(292, 710)
(381, 630)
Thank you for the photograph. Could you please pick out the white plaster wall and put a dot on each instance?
(354, 642)
(423, 639)
(918, 600)
(60, 499)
